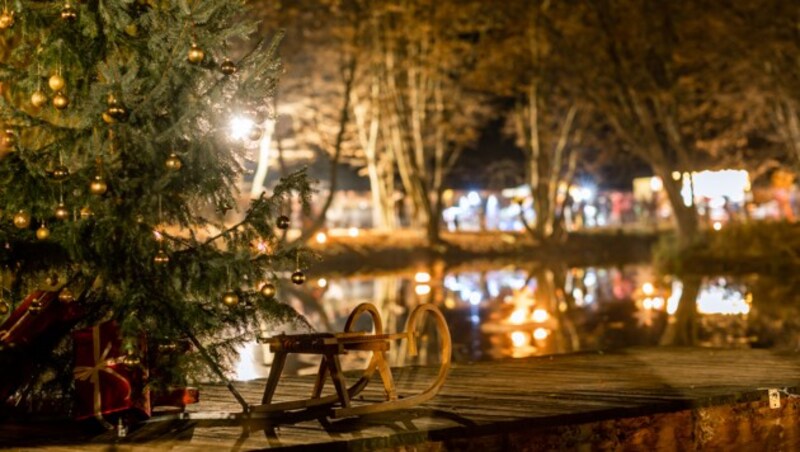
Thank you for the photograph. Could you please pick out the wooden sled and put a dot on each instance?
(331, 345)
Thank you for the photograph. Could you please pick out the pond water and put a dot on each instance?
(499, 312)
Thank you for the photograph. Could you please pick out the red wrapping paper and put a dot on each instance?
(103, 384)
(24, 325)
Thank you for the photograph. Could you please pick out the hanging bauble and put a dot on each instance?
(161, 258)
(6, 19)
(60, 101)
(255, 133)
(69, 13)
(38, 99)
(86, 212)
(42, 233)
(56, 82)
(9, 138)
(35, 307)
(60, 173)
(195, 54)
(107, 118)
(283, 222)
(173, 162)
(268, 290)
(98, 186)
(116, 110)
(5, 308)
(22, 219)
(227, 67)
(66, 296)
(61, 212)
(298, 277)
(230, 298)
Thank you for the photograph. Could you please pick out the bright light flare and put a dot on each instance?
(321, 238)
(353, 232)
(422, 289)
(519, 339)
(518, 317)
(541, 334)
(540, 315)
(322, 282)
(717, 226)
(240, 127)
(648, 289)
(422, 277)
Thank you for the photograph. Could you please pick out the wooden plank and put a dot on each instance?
(512, 398)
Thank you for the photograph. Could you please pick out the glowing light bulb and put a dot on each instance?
(540, 315)
(517, 317)
(240, 127)
(422, 289)
(648, 288)
(321, 237)
(422, 277)
(519, 339)
(541, 334)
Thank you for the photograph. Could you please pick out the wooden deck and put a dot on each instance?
(638, 399)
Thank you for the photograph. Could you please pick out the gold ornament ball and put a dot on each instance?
(38, 99)
(6, 19)
(9, 138)
(56, 82)
(116, 110)
(98, 186)
(42, 233)
(131, 360)
(22, 219)
(173, 162)
(60, 101)
(196, 54)
(86, 212)
(283, 222)
(69, 13)
(230, 298)
(66, 296)
(107, 118)
(161, 258)
(298, 277)
(35, 307)
(4, 308)
(60, 173)
(61, 211)
(255, 133)
(268, 290)
(227, 67)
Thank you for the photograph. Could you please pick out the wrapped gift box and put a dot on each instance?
(104, 384)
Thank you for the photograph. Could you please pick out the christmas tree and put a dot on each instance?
(118, 169)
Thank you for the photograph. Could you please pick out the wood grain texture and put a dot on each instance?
(493, 406)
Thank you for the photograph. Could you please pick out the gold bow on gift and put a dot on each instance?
(102, 364)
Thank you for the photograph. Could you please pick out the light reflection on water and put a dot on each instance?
(512, 312)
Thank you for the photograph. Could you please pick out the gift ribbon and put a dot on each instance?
(102, 364)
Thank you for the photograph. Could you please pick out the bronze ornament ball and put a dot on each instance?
(9, 138)
(298, 277)
(38, 99)
(61, 211)
(4, 308)
(196, 54)
(255, 133)
(66, 296)
(43, 233)
(98, 186)
(161, 258)
(60, 101)
(283, 222)
(56, 82)
(60, 173)
(69, 13)
(230, 298)
(117, 111)
(6, 19)
(86, 212)
(227, 67)
(22, 219)
(173, 162)
(268, 290)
